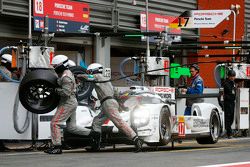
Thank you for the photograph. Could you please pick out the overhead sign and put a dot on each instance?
(157, 23)
(64, 16)
(200, 19)
(242, 70)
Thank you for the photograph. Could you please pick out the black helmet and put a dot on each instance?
(195, 66)
(231, 73)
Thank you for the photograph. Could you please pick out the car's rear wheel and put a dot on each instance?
(214, 127)
(164, 128)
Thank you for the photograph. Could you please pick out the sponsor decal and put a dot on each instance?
(200, 123)
(244, 110)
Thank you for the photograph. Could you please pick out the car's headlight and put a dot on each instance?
(140, 116)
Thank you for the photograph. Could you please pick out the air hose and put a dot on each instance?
(4, 48)
(16, 105)
(122, 68)
(217, 75)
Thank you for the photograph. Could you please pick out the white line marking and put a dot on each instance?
(230, 164)
(22, 153)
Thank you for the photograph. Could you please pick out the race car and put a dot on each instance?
(153, 114)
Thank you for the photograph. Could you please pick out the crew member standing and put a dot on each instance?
(229, 101)
(196, 87)
(67, 104)
(109, 107)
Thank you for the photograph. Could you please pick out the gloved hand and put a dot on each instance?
(85, 77)
(183, 90)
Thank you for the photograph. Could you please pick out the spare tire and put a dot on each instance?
(36, 91)
(84, 88)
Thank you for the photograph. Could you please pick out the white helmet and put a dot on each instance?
(95, 68)
(60, 60)
(71, 63)
(60, 63)
(6, 58)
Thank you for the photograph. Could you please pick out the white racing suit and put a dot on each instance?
(109, 108)
(67, 105)
(72, 127)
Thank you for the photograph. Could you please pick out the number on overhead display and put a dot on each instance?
(183, 21)
(39, 6)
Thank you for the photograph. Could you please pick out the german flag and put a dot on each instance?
(181, 21)
(175, 23)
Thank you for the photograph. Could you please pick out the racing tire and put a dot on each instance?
(215, 129)
(164, 128)
(84, 88)
(36, 91)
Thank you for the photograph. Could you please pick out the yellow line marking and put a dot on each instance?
(203, 149)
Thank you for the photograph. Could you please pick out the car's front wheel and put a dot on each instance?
(165, 132)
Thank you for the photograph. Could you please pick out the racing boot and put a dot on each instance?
(138, 144)
(96, 136)
(54, 150)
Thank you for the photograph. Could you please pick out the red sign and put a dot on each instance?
(181, 129)
(166, 65)
(248, 72)
(164, 90)
(157, 22)
(61, 9)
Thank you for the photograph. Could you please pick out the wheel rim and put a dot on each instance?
(82, 88)
(165, 127)
(39, 95)
(214, 127)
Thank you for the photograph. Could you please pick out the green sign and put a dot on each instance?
(178, 71)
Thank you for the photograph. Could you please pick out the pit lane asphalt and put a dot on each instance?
(188, 153)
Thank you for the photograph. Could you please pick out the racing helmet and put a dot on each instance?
(95, 68)
(6, 58)
(60, 63)
(231, 73)
(195, 66)
(71, 63)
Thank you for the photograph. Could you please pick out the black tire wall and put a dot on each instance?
(85, 88)
(42, 80)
